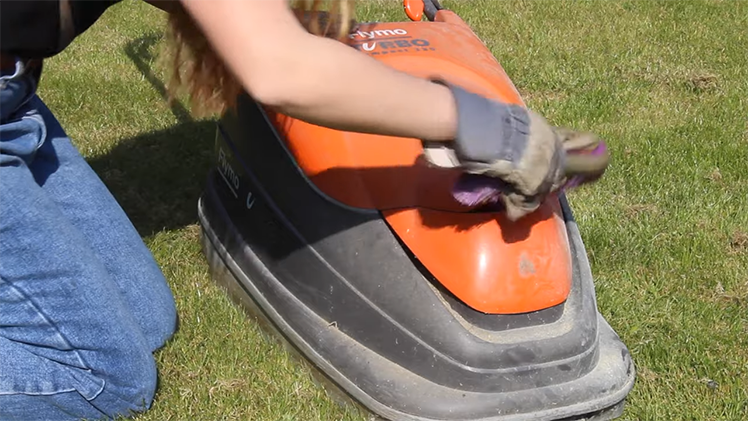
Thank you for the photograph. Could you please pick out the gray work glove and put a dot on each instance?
(510, 143)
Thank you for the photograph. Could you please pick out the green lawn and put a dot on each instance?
(665, 82)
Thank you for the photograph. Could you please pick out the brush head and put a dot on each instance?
(585, 162)
(479, 191)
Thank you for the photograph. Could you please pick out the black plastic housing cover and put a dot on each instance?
(353, 300)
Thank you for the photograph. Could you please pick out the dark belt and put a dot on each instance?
(8, 63)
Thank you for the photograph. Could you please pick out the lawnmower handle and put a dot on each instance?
(416, 9)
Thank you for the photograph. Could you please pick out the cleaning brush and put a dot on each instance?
(586, 159)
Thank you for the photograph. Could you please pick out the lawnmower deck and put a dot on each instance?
(344, 291)
(395, 393)
(348, 248)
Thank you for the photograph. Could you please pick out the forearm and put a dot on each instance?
(351, 91)
(320, 80)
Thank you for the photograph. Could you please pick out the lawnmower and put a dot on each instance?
(354, 251)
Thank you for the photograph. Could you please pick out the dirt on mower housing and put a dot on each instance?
(416, 308)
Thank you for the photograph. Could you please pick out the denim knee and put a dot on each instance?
(163, 313)
(121, 383)
(168, 323)
(130, 385)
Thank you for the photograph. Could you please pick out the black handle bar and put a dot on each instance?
(430, 7)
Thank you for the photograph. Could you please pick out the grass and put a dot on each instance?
(665, 82)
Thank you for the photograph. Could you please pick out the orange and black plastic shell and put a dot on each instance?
(490, 263)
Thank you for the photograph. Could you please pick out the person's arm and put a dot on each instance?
(320, 80)
(324, 82)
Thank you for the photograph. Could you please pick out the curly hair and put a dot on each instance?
(197, 69)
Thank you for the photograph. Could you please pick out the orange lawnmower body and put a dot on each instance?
(492, 264)
(415, 307)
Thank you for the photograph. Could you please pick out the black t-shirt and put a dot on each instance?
(31, 28)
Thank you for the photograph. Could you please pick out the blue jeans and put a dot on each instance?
(83, 304)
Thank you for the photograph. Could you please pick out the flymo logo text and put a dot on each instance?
(227, 173)
(381, 33)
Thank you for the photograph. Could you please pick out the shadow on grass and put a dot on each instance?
(157, 177)
(140, 51)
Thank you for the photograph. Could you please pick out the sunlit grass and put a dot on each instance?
(665, 82)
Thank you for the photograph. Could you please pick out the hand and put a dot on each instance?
(525, 158)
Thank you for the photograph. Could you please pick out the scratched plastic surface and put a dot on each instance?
(493, 265)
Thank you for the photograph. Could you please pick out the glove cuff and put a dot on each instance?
(488, 130)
